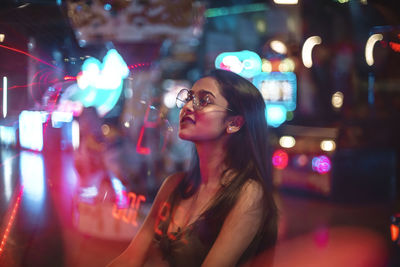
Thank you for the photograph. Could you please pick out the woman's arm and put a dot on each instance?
(136, 253)
(239, 228)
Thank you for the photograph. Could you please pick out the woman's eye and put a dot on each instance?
(204, 101)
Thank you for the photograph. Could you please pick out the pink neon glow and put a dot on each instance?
(280, 159)
(11, 220)
(321, 164)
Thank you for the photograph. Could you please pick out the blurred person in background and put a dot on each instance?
(88, 158)
(221, 211)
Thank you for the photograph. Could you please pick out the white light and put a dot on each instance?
(7, 135)
(287, 141)
(286, 2)
(170, 99)
(58, 117)
(286, 65)
(337, 99)
(328, 145)
(306, 53)
(127, 124)
(5, 88)
(75, 134)
(266, 65)
(278, 47)
(2, 36)
(234, 63)
(7, 168)
(369, 48)
(31, 130)
(32, 176)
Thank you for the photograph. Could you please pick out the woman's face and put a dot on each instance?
(209, 122)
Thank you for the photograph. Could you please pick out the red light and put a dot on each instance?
(394, 230)
(280, 159)
(68, 78)
(27, 54)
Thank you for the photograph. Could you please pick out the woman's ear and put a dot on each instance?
(234, 124)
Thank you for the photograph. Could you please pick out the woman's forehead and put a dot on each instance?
(207, 84)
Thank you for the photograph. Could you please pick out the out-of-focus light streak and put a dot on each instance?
(29, 55)
(369, 48)
(33, 180)
(286, 2)
(75, 134)
(11, 220)
(7, 167)
(5, 96)
(7, 177)
(306, 53)
(238, 9)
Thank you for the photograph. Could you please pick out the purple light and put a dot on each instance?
(321, 164)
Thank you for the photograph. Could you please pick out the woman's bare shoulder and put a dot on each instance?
(171, 182)
(252, 193)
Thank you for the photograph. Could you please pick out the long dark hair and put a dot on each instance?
(246, 155)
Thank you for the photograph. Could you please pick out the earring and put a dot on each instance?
(230, 129)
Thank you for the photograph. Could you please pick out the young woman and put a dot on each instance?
(221, 212)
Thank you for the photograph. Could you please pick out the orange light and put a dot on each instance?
(394, 230)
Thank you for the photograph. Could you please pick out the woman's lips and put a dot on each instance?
(185, 120)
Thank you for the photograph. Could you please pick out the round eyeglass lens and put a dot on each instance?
(181, 98)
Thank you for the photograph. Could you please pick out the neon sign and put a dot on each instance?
(128, 215)
(245, 63)
(278, 88)
(163, 215)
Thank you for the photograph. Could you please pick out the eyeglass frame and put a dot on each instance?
(196, 104)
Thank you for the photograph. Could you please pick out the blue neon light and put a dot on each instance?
(245, 63)
(275, 115)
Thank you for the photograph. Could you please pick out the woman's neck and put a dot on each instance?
(211, 157)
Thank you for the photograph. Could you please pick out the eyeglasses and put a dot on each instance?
(201, 100)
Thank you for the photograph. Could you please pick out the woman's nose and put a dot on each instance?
(189, 105)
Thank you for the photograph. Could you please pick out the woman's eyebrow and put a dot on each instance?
(207, 92)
